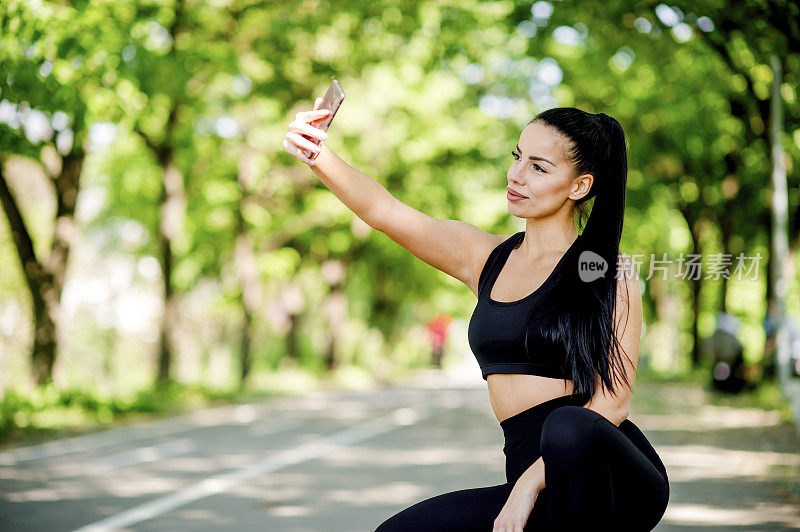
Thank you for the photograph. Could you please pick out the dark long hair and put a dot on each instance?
(574, 314)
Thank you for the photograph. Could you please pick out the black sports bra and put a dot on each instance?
(496, 331)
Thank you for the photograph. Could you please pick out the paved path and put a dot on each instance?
(729, 468)
(346, 460)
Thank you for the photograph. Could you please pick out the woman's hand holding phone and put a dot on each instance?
(301, 128)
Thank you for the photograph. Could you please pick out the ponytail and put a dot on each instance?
(578, 315)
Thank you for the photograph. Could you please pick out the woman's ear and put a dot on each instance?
(581, 186)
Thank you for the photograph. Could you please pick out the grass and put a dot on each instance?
(49, 413)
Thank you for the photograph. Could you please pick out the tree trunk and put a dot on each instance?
(696, 287)
(245, 356)
(172, 211)
(45, 346)
(779, 253)
(45, 281)
(336, 309)
(246, 265)
(172, 208)
(694, 229)
(293, 340)
(251, 296)
(334, 271)
(769, 264)
(728, 231)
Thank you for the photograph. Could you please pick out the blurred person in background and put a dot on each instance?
(768, 367)
(768, 362)
(727, 355)
(439, 329)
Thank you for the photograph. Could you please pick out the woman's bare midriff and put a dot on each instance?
(512, 393)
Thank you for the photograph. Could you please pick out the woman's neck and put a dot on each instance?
(543, 238)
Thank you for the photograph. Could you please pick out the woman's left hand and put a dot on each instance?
(518, 507)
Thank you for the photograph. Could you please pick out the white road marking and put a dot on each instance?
(220, 483)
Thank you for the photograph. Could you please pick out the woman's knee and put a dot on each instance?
(416, 517)
(470, 508)
(394, 524)
(567, 431)
(404, 520)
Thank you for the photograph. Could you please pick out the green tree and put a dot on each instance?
(55, 59)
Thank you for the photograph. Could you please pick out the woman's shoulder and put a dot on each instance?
(491, 241)
(482, 249)
(502, 238)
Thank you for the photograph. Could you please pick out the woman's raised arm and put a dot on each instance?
(457, 248)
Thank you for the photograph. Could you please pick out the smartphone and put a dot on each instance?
(332, 100)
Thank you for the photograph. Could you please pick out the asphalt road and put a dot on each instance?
(332, 460)
(347, 460)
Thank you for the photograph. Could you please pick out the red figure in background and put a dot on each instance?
(439, 328)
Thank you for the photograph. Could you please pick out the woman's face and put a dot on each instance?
(541, 173)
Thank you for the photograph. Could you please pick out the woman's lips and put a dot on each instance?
(513, 196)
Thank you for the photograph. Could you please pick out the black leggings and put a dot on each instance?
(597, 476)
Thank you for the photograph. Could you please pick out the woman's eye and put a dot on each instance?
(539, 168)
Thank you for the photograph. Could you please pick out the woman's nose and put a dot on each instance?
(513, 178)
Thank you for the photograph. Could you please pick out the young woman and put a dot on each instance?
(549, 329)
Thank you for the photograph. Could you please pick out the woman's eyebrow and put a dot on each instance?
(537, 158)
